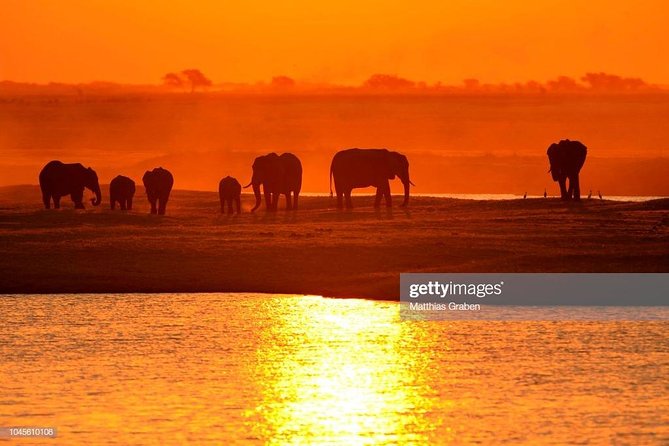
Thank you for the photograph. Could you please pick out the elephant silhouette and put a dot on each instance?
(121, 191)
(57, 179)
(229, 191)
(277, 175)
(566, 159)
(354, 168)
(158, 184)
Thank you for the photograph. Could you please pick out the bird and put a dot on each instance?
(545, 194)
(590, 194)
(525, 195)
(600, 195)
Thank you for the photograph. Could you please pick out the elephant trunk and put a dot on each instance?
(98, 196)
(407, 184)
(256, 192)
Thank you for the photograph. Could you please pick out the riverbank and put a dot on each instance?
(316, 250)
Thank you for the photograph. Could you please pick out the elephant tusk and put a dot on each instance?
(248, 185)
(411, 182)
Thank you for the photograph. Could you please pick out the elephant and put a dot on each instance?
(58, 179)
(158, 184)
(353, 168)
(230, 190)
(277, 175)
(566, 159)
(121, 190)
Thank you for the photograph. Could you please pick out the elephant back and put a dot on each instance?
(230, 184)
(158, 180)
(566, 157)
(121, 182)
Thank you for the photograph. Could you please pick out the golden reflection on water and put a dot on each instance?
(340, 375)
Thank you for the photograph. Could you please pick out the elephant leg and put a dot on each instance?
(377, 198)
(275, 201)
(340, 200)
(289, 201)
(577, 187)
(162, 204)
(56, 202)
(238, 205)
(46, 199)
(122, 203)
(229, 202)
(386, 193)
(112, 203)
(268, 201)
(563, 188)
(570, 190)
(297, 194)
(129, 206)
(153, 206)
(222, 205)
(78, 197)
(349, 203)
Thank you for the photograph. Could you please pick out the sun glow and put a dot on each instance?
(313, 394)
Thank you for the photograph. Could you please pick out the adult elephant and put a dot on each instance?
(158, 184)
(566, 159)
(58, 179)
(355, 168)
(277, 175)
(121, 191)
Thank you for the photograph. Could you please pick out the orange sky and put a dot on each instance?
(341, 41)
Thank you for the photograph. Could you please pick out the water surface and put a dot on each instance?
(270, 369)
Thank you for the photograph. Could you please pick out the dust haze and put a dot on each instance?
(455, 144)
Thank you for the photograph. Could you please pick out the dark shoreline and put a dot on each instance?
(317, 250)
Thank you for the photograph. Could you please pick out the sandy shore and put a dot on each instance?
(316, 250)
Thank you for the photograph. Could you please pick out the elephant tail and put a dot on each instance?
(330, 179)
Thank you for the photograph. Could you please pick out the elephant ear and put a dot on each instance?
(554, 157)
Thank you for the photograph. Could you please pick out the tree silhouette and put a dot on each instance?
(196, 79)
(173, 80)
(388, 81)
(191, 77)
(282, 82)
(612, 82)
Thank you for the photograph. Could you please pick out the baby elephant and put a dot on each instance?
(230, 190)
(121, 190)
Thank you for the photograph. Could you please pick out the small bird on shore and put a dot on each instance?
(525, 195)
(590, 194)
(600, 195)
(545, 194)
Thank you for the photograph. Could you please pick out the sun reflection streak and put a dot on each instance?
(359, 387)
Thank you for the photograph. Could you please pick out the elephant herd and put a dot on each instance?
(282, 175)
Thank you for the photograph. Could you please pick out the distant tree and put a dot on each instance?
(388, 82)
(564, 84)
(173, 80)
(471, 84)
(195, 79)
(533, 87)
(282, 82)
(612, 82)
